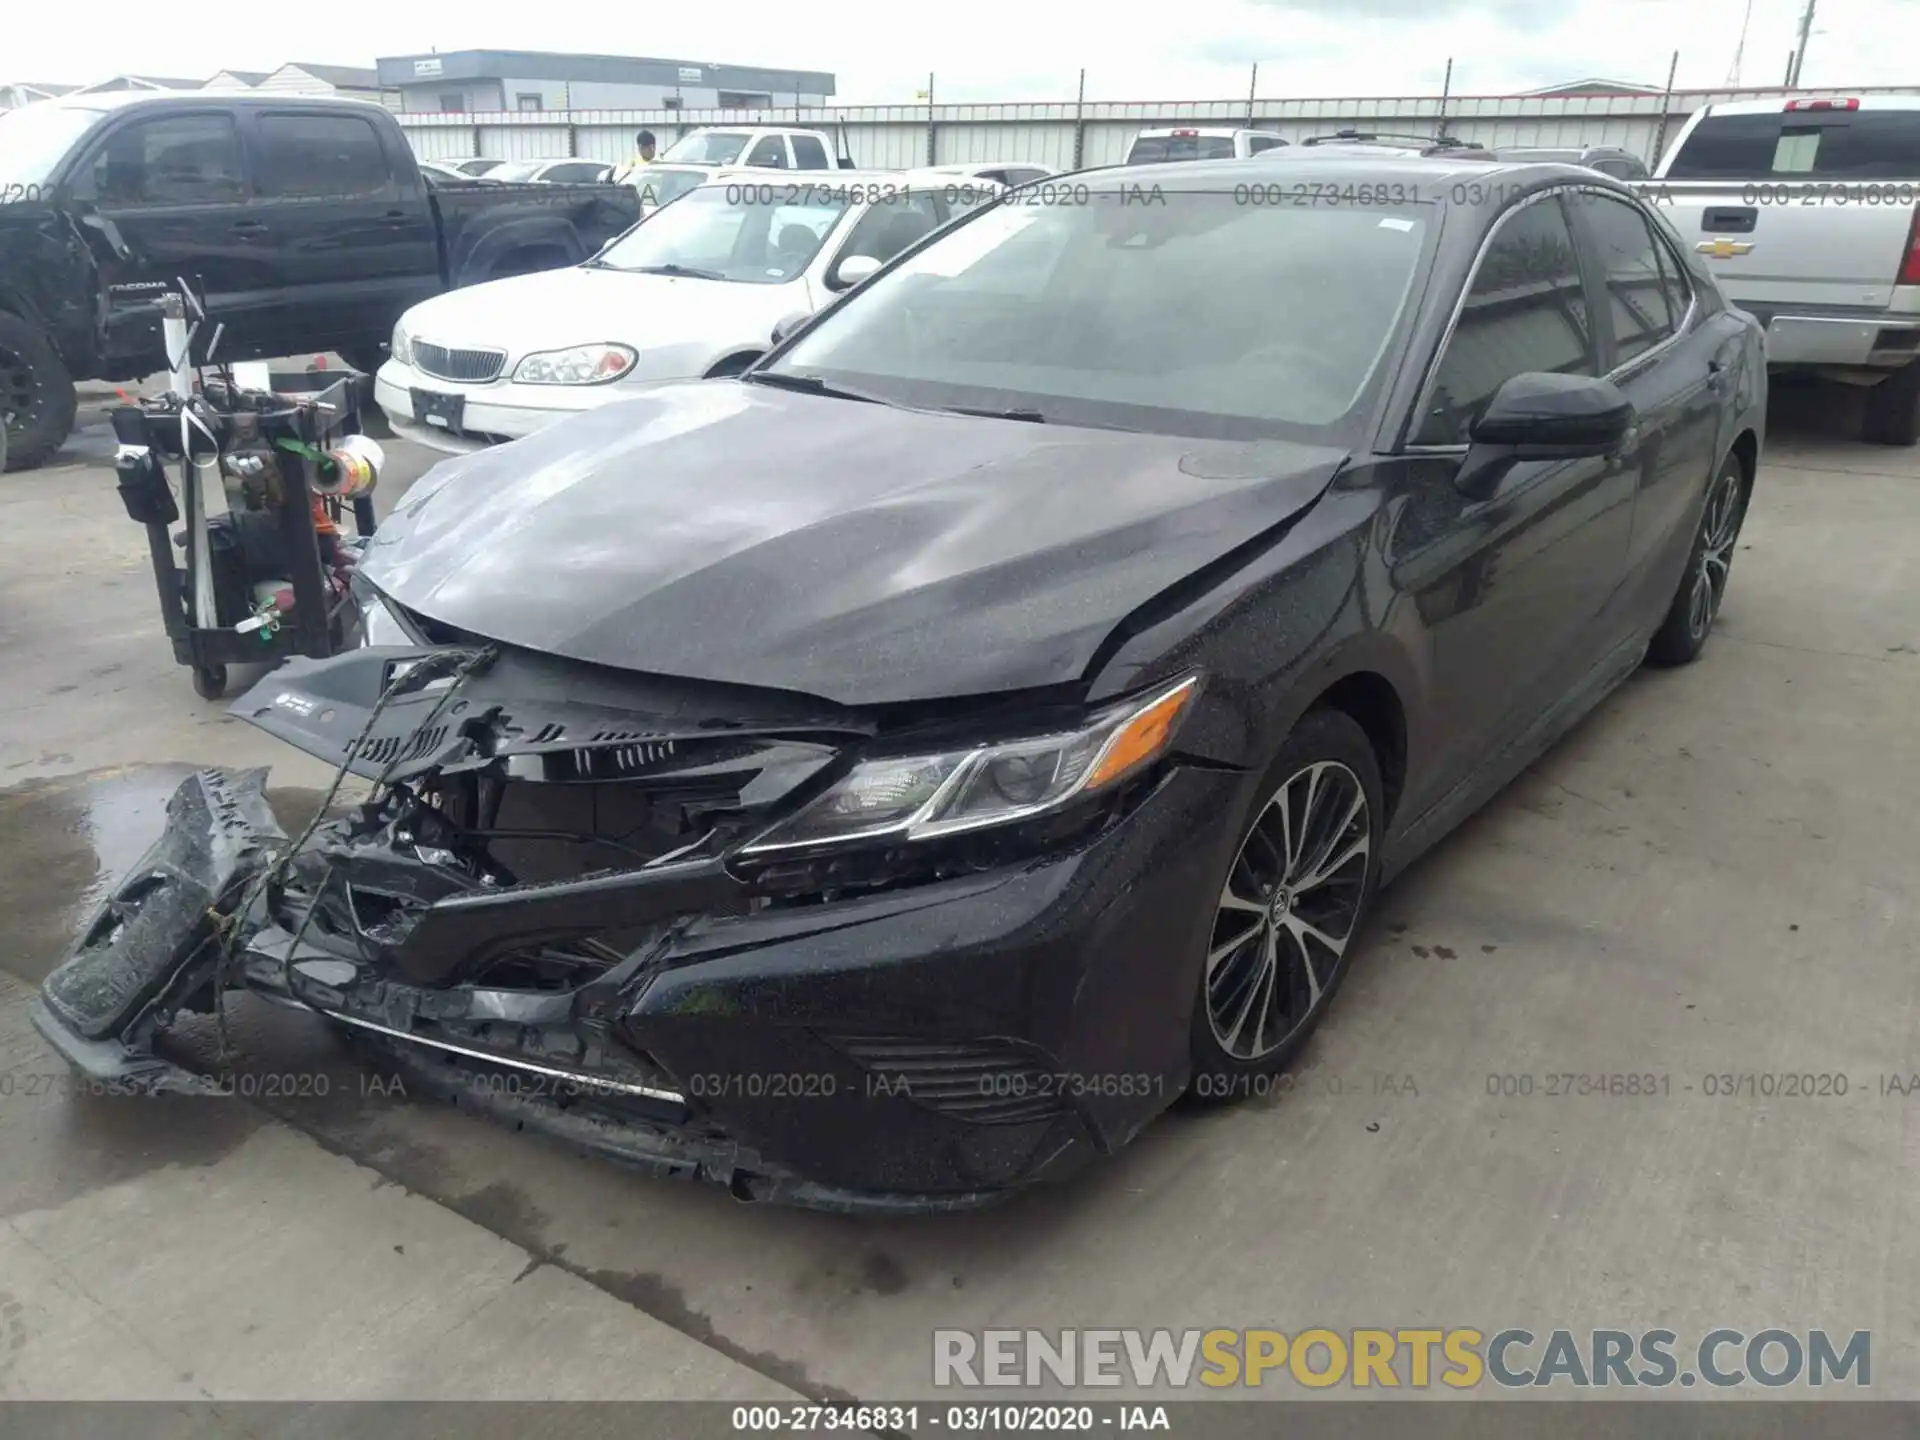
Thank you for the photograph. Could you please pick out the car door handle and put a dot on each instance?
(249, 227)
(394, 218)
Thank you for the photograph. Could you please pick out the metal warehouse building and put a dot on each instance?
(478, 82)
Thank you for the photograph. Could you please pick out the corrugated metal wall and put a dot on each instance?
(895, 137)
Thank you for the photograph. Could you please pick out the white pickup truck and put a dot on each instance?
(700, 155)
(1808, 213)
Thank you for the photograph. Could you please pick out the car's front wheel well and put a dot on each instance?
(1746, 449)
(1370, 701)
(732, 364)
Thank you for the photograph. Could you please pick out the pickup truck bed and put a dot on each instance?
(302, 224)
(1808, 213)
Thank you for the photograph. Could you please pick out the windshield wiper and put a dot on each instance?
(1031, 417)
(807, 385)
(687, 270)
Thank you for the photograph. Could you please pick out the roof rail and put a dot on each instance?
(1388, 137)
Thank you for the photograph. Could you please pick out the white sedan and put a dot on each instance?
(695, 289)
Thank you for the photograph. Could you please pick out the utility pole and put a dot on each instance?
(1806, 33)
(1666, 108)
(1740, 50)
(1080, 123)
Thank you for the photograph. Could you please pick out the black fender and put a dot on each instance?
(50, 278)
(475, 257)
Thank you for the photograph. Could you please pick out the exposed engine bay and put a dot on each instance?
(538, 842)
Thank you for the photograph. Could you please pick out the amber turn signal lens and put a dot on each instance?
(1142, 737)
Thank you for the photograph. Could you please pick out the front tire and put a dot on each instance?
(1291, 906)
(37, 401)
(1703, 585)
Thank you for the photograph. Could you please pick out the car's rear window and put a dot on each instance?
(1816, 144)
(1157, 149)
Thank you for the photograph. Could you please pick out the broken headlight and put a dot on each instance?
(920, 797)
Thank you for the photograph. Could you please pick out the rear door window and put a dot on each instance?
(809, 153)
(305, 156)
(1637, 296)
(1801, 144)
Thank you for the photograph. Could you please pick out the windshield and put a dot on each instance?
(479, 167)
(34, 139)
(708, 147)
(1193, 314)
(658, 185)
(1158, 149)
(760, 234)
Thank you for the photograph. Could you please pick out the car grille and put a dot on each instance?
(987, 1082)
(469, 367)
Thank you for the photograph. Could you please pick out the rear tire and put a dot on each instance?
(37, 402)
(1893, 408)
(1290, 908)
(1703, 584)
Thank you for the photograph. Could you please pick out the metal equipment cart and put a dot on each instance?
(269, 451)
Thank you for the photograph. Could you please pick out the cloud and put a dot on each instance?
(1015, 50)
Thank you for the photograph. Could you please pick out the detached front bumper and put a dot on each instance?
(929, 1047)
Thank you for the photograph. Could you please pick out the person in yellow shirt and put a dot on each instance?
(643, 155)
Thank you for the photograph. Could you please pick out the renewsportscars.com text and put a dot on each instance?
(1459, 1359)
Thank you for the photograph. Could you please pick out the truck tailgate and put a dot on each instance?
(1794, 244)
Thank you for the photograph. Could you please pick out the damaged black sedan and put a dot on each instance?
(893, 776)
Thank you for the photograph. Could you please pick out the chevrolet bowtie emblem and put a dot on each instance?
(1723, 249)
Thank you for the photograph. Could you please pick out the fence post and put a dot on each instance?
(1080, 124)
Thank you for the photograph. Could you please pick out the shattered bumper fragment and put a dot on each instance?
(152, 946)
(543, 913)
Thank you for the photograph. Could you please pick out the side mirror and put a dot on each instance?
(1543, 416)
(852, 270)
(792, 323)
(1556, 417)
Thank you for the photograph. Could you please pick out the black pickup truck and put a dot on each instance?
(303, 225)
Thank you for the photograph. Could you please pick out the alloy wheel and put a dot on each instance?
(1289, 909)
(1719, 528)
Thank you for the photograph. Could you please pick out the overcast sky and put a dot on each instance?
(1023, 50)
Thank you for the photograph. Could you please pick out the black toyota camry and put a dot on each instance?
(894, 775)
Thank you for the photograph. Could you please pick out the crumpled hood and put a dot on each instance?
(860, 553)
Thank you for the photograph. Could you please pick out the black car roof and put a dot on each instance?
(116, 101)
(1433, 176)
